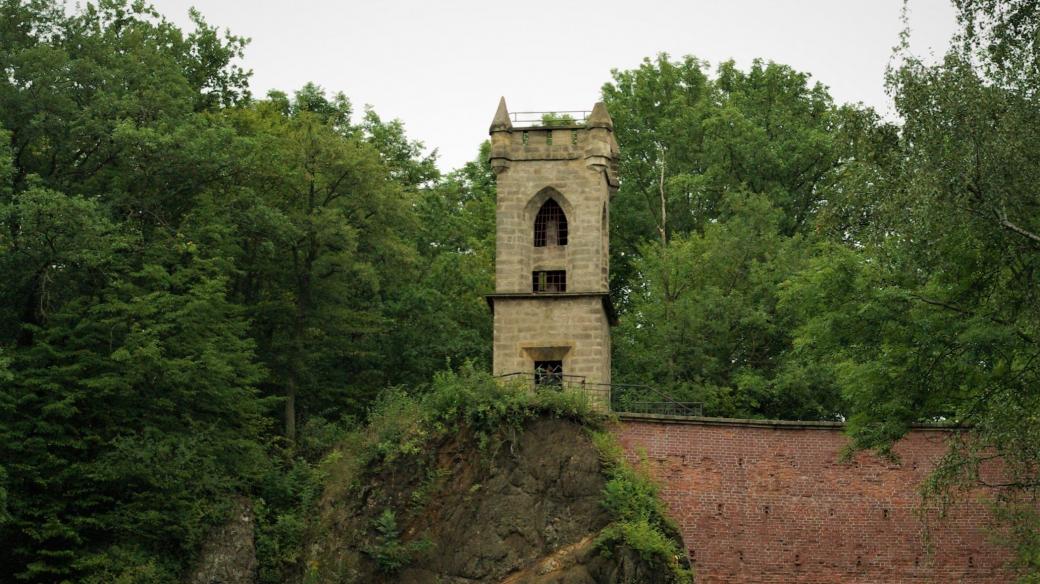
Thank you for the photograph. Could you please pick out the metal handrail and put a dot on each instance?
(535, 118)
(666, 408)
(681, 408)
(615, 393)
(524, 374)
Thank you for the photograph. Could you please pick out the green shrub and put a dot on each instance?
(643, 537)
(632, 496)
(400, 422)
(550, 119)
(288, 492)
(640, 519)
(389, 552)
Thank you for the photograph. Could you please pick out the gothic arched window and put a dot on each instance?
(550, 225)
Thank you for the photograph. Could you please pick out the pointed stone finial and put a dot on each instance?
(501, 121)
(599, 118)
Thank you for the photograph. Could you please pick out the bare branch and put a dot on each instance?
(1023, 232)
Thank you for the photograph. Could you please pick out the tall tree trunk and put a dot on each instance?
(290, 409)
(663, 227)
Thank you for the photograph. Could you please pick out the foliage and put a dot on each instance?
(131, 411)
(287, 495)
(198, 286)
(690, 140)
(553, 119)
(640, 518)
(703, 324)
(723, 179)
(448, 322)
(928, 309)
(401, 423)
(310, 249)
(389, 552)
(1020, 516)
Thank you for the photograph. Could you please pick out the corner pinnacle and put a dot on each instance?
(501, 121)
(599, 118)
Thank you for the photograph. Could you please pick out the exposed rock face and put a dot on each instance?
(523, 511)
(582, 563)
(229, 554)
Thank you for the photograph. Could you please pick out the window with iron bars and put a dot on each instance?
(550, 225)
(549, 281)
(548, 373)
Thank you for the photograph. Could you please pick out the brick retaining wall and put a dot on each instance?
(772, 502)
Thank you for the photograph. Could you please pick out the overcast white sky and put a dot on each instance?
(440, 66)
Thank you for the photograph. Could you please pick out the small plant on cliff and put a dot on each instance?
(389, 551)
(401, 423)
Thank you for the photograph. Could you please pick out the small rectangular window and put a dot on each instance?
(549, 281)
(548, 373)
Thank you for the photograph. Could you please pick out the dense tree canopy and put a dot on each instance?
(191, 274)
(723, 178)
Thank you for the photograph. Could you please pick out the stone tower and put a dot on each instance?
(551, 303)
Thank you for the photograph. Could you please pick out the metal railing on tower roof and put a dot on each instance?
(559, 118)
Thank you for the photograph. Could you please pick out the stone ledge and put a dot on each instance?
(562, 158)
(608, 304)
(753, 423)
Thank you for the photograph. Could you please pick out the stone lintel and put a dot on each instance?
(608, 304)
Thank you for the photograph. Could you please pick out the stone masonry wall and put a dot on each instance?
(576, 167)
(581, 190)
(574, 329)
(774, 503)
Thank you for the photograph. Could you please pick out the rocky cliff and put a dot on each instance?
(528, 504)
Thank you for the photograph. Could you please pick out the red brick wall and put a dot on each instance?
(775, 504)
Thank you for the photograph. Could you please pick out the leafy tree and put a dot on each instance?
(703, 324)
(689, 139)
(442, 317)
(728, 176)
(315, 230)
(132, 401)
(129, 405)
(407, 160)
(931, 311)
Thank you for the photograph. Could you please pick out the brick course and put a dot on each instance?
(760, 503)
